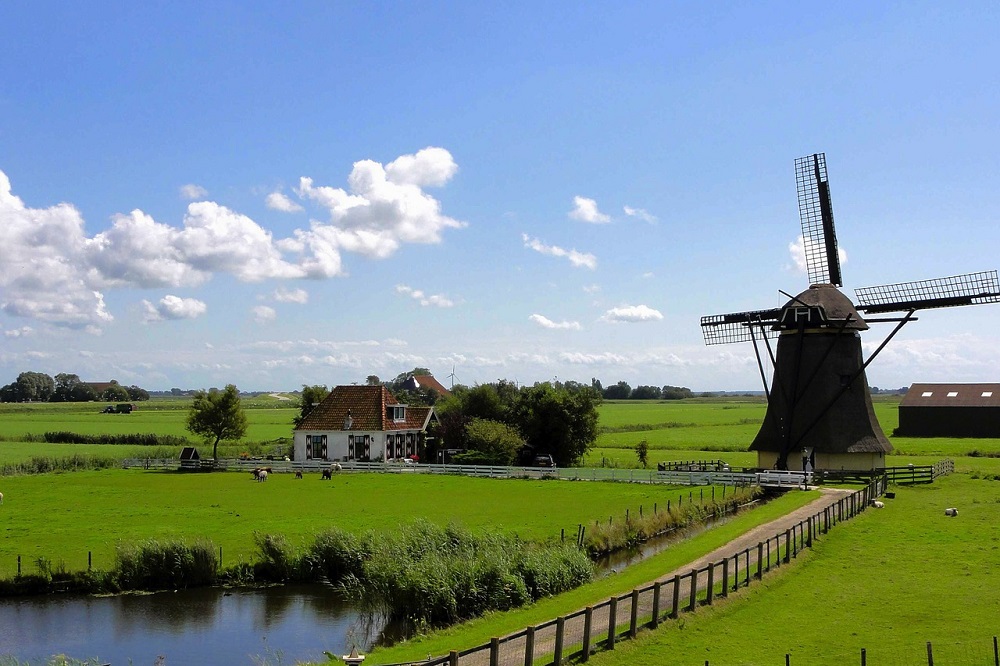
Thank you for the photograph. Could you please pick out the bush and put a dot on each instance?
(164, 565)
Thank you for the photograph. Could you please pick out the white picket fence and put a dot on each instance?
(697, 478)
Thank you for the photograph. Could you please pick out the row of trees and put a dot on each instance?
(622, 391)
(65, 387)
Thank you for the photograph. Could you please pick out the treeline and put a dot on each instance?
(622, 391)
(65, 387)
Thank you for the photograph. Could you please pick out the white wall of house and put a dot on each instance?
(339, 444)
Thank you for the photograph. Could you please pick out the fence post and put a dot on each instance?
(694, 590)
(795, 540)
(711, 583)
(760, 557)
(560, 628)
(864, 658)
(633, 626)
(612, 621)
(768, 547)
(588, 620)
(996, 652)
(529, 646)
(656, 605)
(788, 546)
(677, 595)
(495, 651)
(18, 565)
(930, 655)
(746, 570)
(809, 541)
(725, 577)
(453, 658)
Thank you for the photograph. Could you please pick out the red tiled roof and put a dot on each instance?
(428, 381)
(367, 408)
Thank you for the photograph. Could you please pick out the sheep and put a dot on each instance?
(298, 474)
(327, 474)
(1, 498)
(262, 475)
(336, 467)
(878, 504)
(951, 512)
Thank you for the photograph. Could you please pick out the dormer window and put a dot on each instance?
(396, 412)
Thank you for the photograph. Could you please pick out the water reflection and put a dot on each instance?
(192, 626)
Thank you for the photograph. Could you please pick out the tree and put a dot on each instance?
(311, 396)
(560, 423)
(29, 387)
(137, 394)
(373, 380)
(217, 414)
(69, 388)
(115, 393)
(620, 391)
(498, 443)
(642, 392)
(676, 392)
(642, 452)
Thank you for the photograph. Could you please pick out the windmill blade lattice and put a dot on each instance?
(819, 238)
(738, 326)
(967, 289)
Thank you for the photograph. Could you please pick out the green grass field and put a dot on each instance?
(63, 516)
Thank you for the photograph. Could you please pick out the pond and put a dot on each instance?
(276, 625)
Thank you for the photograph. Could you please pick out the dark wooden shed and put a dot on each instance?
(190, 459)
(950, 410)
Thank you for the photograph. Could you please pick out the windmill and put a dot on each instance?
(819, 408)
(452, 375)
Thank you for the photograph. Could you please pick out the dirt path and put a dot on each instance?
(512, 649)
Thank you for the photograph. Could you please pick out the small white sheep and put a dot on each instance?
(1, 498)
(951, 512)
(878, 504)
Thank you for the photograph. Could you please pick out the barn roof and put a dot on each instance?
(366, 406)
(952, 395)
(426, 381)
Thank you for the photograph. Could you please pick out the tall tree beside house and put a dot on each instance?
(311, 396)
(558, 422)
(70, 388)
(217, 415)
(496, 443)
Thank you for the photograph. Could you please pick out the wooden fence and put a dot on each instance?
(580, 634)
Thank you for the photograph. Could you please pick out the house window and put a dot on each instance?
(926, 394)
(396, 412)
(952, 394)
(316, 447)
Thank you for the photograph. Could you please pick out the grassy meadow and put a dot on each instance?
(63, 516)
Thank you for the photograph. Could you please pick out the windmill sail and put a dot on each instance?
(819, 238)
(967, 289)
(737, 327)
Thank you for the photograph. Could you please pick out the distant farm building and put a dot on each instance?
(416, 382)
(362, 423)
(950, 410)
(190, 458)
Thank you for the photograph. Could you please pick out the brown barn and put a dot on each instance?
(950, 410)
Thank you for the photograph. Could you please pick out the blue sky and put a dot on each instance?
(279, 194)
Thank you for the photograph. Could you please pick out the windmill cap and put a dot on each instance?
(836, 306)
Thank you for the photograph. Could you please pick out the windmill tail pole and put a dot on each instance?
(760, 364)
(857, 374)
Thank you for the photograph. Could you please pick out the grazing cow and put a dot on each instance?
(298, 474)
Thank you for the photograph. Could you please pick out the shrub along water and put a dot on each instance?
(46, 464)
(603, 538)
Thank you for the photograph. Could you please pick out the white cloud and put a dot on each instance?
(797, 251)
(174, 307)
(578, 259)
(632, 314)
(19, 332)
(384, 207)
(192, 192)
(591, 288)
(639, 213)
(300, 296)
(437, 300)
(648, 275)
(279, 201)
(263, 314)
(585, 210)
(42, 271)
(545, 322)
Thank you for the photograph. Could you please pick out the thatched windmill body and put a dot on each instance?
(819, 411)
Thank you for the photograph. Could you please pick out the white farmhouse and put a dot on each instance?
(362, 423)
